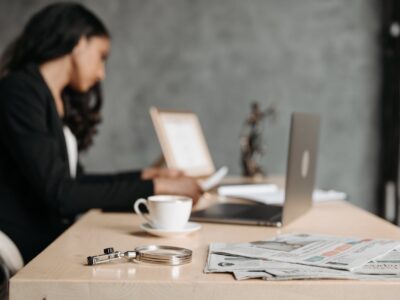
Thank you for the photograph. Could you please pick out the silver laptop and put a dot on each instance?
(300, 179)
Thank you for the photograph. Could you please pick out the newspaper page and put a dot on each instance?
(230, 263)
(242, 275)
(315, 250)
(246, 268)
(255, 268)
(387, 264)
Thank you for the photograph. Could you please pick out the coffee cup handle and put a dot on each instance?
(138, 211)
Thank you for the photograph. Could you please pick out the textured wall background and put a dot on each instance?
(215, 57)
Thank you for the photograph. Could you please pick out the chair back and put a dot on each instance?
(10, 254)
(4, 278)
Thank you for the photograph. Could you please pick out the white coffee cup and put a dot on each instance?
(166, 212)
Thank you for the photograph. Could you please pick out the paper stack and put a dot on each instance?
(305, 256)
(271, 194)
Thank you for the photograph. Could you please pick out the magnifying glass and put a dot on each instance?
(154, 254)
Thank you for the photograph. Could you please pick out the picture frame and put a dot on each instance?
(182, 141)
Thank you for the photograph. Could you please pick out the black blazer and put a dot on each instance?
(38, 198)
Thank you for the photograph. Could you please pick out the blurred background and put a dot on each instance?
(215, 57)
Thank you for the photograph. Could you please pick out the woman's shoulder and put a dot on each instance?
(24, 77)
(22, 83)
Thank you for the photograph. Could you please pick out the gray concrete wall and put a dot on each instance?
(215, 57)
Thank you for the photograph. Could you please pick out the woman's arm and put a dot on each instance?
(32, 133)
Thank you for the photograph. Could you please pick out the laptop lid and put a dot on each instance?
(300, 177)
(301, 165)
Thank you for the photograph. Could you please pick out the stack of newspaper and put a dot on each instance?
(306, 256)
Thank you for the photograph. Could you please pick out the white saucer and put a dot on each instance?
(189, 228)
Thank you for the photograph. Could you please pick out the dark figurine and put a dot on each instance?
(251, 141)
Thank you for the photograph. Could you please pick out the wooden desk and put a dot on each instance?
(59, 272)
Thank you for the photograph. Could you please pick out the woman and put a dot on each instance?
(49, 107)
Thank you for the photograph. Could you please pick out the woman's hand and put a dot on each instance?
(151, 173)
(185, 186)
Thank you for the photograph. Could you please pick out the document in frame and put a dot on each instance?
(182, 142)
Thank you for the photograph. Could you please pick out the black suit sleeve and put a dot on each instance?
(28, 123)
(136, 174)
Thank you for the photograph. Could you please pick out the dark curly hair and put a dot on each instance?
(51, 33)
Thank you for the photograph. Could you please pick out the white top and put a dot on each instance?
(72, 149)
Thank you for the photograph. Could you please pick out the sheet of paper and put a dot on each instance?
(214, 179)
(387, 264)
(247, 189)
(187, 145)
(270, 194)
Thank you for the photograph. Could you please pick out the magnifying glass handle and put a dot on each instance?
(103, 258)
(130, 254)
